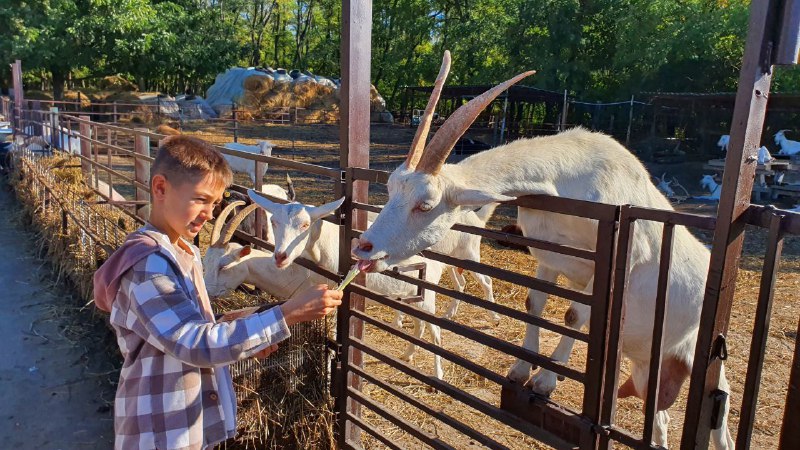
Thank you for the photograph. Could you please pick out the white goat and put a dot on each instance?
(246, 165)
(764, 156)
(788, 146)
(723, 142)
(299, 231)
(427, 196)
(710, 184)
(665, 186)
(226, 265)
(249, 224)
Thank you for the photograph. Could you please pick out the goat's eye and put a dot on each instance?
(304, 226)
(424, 207)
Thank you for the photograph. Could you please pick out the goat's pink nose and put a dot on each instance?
(280, 258)
(365, 246)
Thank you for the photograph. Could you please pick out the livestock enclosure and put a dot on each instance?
(379, 400)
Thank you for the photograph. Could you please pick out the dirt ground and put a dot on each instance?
(55, 376)
(319, 145)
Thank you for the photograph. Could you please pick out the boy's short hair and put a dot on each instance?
(185, 158)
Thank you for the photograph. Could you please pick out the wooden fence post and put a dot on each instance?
(56, 139)
(86, 149)
(261, 216)
(236, 130)
(141, 167)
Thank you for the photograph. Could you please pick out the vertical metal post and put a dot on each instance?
(86, 149)
(790, 438)
(261, 215)
(16, 75)
(235, 125)
(353, 152)
(116, 117)
(141, 167)
(56, 139)
(748, 119)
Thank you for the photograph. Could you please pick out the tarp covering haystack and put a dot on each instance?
(264, 93)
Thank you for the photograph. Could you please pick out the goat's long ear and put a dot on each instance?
(318, 212)
(421, 136)
(263, 202)
(475, 198)
(454, 127)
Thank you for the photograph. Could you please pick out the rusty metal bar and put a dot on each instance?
(372, 431)
(790, 438)
(475, 335)
(598, 324)
(659, 318)
(86, 149)
(464, 397)
(438, 415)
(626, 438)
(447, 354)
(408, 427)
(674, 217)
(513, 238)
(748, 121)
(758, 344)
(616, 322)
(496, 307)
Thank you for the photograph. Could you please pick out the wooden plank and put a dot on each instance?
(748, 120)
(141, 167)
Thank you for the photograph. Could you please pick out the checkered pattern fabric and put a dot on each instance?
(175, 387)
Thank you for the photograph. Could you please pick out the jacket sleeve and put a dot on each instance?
(172, 322)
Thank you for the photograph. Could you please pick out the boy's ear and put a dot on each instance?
(158, 187)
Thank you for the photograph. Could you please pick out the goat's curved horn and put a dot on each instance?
(230, 227)
(421, 136)
(454, 127)
(223, 216)
(664, 177)
(290, 188)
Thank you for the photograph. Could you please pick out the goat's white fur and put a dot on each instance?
(299, 231)
(246, 165)
(710, 184)
(723, 142)
(788, 146)
(576, 164)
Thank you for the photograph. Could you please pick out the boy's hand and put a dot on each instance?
(311, 304)
(266, 352)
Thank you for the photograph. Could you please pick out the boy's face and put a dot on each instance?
(186, 206)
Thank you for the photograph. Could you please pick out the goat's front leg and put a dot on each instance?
(460, 283)
(436, 338)
(485, 283)
(576, 317)
(419, 329)
(521, 370)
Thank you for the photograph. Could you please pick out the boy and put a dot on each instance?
(175, 390)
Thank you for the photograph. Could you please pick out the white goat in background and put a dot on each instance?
(227, 265)
(788, 146)
(709, 183)
(300, 231)
(427, 196)
(665, 186)
(246, 165)
(723, 142)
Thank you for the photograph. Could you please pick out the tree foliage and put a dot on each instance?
(600, 49)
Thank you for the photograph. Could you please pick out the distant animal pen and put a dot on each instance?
(360, 415)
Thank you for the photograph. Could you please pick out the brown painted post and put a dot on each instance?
(748, 120)
(353, 152)
(56, 140)
(86, 149)
(16, 75)
(630, 124)
(141, 168)
(261, 215)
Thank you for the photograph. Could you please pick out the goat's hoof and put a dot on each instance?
(543, 383)
(407, 358)
(519, 373)
(495, 320)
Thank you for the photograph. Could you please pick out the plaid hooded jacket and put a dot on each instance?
(175, 390)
